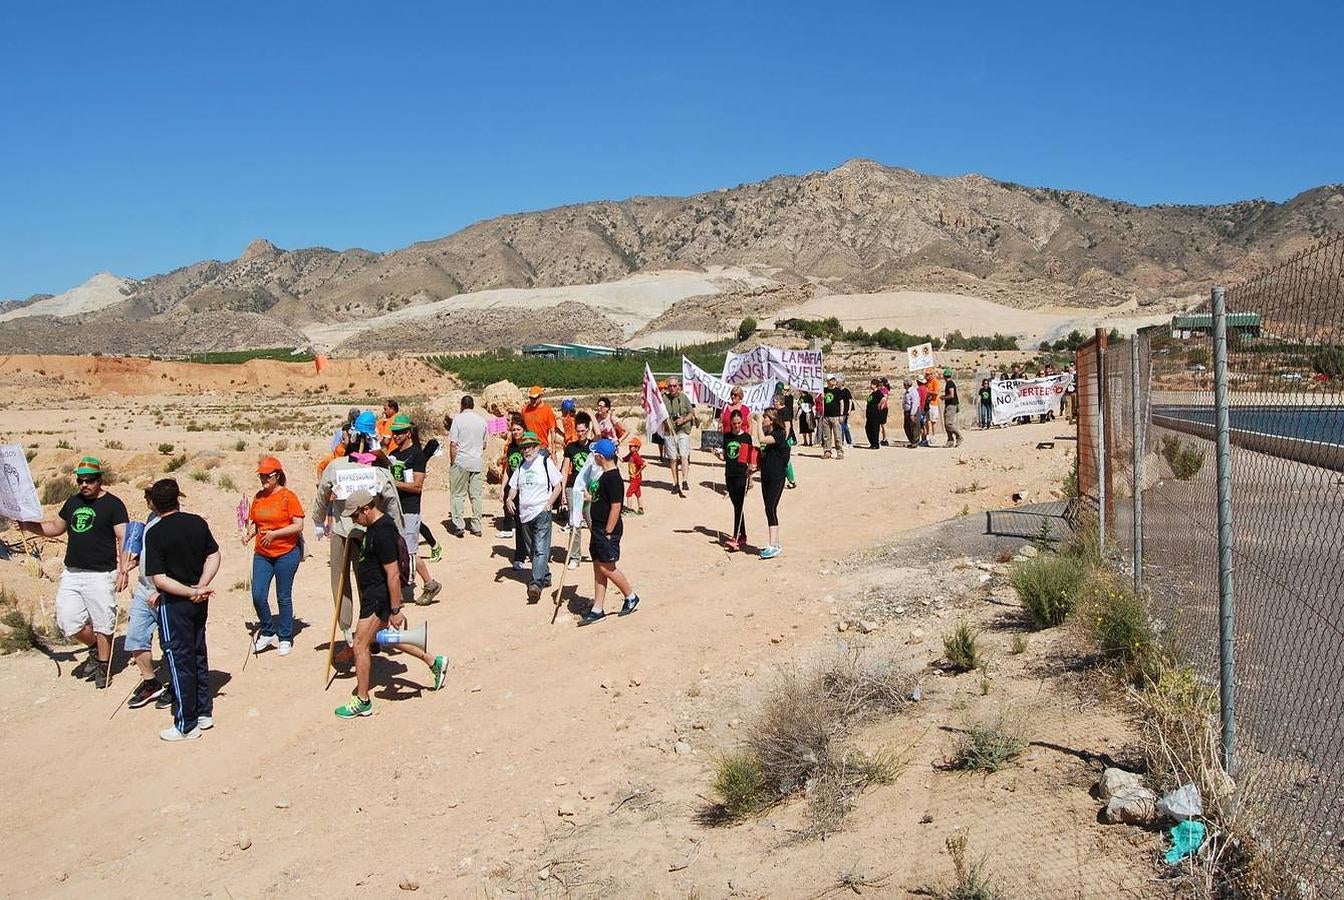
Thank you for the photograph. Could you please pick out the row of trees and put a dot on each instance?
(831, 329)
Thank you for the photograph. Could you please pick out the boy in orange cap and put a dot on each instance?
(635, 462)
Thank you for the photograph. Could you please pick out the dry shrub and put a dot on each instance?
(429, 423)
(986, 747)
(175, 463)
(19, 634)
(798, 744)
(961, 646)
(972, 880)
(57, 489)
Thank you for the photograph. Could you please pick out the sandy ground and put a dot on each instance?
(630, 302)
(919, 312)
(548, 765)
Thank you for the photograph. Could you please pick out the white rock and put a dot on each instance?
(681, 747)
(1029, 551)
(1131, 805)
(244, 841)
(867, 626)
(1113, 780)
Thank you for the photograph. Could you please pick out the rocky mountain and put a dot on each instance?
(859, 227)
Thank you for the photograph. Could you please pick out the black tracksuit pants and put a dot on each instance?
(182, 637)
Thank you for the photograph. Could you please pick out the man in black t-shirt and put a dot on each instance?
(182, 559)
(608, 493)
(576, 455)
(834, 406)
(86, 600)
(408, 471)
(378, 575)
(951, 406)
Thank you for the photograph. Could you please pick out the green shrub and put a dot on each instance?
(115, 445)
(1184, 460)
(19, 634)
(739, 781)
(986, 747)
(200, 475)
(961, 646)
(29, 454)
(240, 445)
(1048, 586)
(972, 883)
(625, 371)
(175, 463)
(57, 489)
(746, 328)
(166, 449)
(1117, 621)
(226, 482)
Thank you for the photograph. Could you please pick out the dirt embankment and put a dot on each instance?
(39, 377)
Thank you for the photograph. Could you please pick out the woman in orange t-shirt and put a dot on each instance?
(275, 520)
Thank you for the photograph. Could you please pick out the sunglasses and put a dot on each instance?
(90, 480)
(265, 475)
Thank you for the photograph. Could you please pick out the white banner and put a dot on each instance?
(1027, 397)
(796, 368)
(18, 496)
(920, 357)
(655, 410)
(703, 387)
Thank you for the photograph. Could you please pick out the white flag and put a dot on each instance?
(655, 410)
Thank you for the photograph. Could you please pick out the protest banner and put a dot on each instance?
(920, 357)
(796, 368)
(1016, 397)
(18, 496)
(705, 388)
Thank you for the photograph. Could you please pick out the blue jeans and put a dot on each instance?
(282, 568)
(537, 539)
(986, 415)
(844, 431)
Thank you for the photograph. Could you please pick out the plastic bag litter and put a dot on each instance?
(1186, 839)
(1182, 803)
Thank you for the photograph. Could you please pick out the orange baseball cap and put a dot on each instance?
(269, 465)
(535, 391)
(636, 443)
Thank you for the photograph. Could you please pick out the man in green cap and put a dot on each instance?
(951, 406)
(86, 601)
(408, 471)
(532, 491)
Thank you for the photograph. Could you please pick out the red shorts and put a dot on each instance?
(633, 488)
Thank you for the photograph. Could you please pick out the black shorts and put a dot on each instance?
(380, 606)
(604, 549)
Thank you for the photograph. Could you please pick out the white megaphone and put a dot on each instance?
(416, 637)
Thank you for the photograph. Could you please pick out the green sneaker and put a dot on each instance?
(436, 554)
(355, 707)
(440, 670)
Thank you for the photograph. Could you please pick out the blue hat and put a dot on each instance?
(605, 448)
(366, 423)
(567, 405)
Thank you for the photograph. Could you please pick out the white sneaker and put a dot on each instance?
(172, 734)
(520, 566)
(505, 535)
(285, 647)
(205, 723)
(263, 641)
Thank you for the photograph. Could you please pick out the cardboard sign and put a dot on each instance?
(18, 496)
(920, 357)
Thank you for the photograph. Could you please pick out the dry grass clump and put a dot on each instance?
(986, 747)
(175, 463)
(56, 489)
(19, 633)
(972, 880)
(798, 743)
(961, 646)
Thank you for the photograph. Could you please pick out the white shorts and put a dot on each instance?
(410, 533)
(85, 597)
(935, 413)
(678, 446)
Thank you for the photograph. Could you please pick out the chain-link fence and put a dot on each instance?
(1276, 580)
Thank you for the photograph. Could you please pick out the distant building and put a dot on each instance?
(1187, 324)
(570, 351)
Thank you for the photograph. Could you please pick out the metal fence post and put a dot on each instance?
(1226, 606)
(1102, 444)
(1136, 442)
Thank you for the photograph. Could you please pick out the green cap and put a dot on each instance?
(529, 439)
(947, 373)
(89, 465)
(401, 422)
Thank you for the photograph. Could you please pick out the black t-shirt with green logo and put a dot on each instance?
(513, 458)
(412, 460)
(737, 454)
(92, 542)
(835, 402)
(577, 454)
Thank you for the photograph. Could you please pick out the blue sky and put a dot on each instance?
(137, 137)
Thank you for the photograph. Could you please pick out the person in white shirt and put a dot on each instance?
(466, 457)
(533, 489)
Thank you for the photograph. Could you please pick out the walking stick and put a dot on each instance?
(569, 553)
(336, 600)
(112, 639)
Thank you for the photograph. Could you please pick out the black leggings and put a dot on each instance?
(737, 492)
(771, 491)
(427, 535)
(872, 426)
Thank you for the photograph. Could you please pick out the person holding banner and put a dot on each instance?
(737, 459)
(774, 466)
(86, 600)
(681, 419)
(735, 405)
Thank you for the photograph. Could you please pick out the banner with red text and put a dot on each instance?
(1015, 397)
